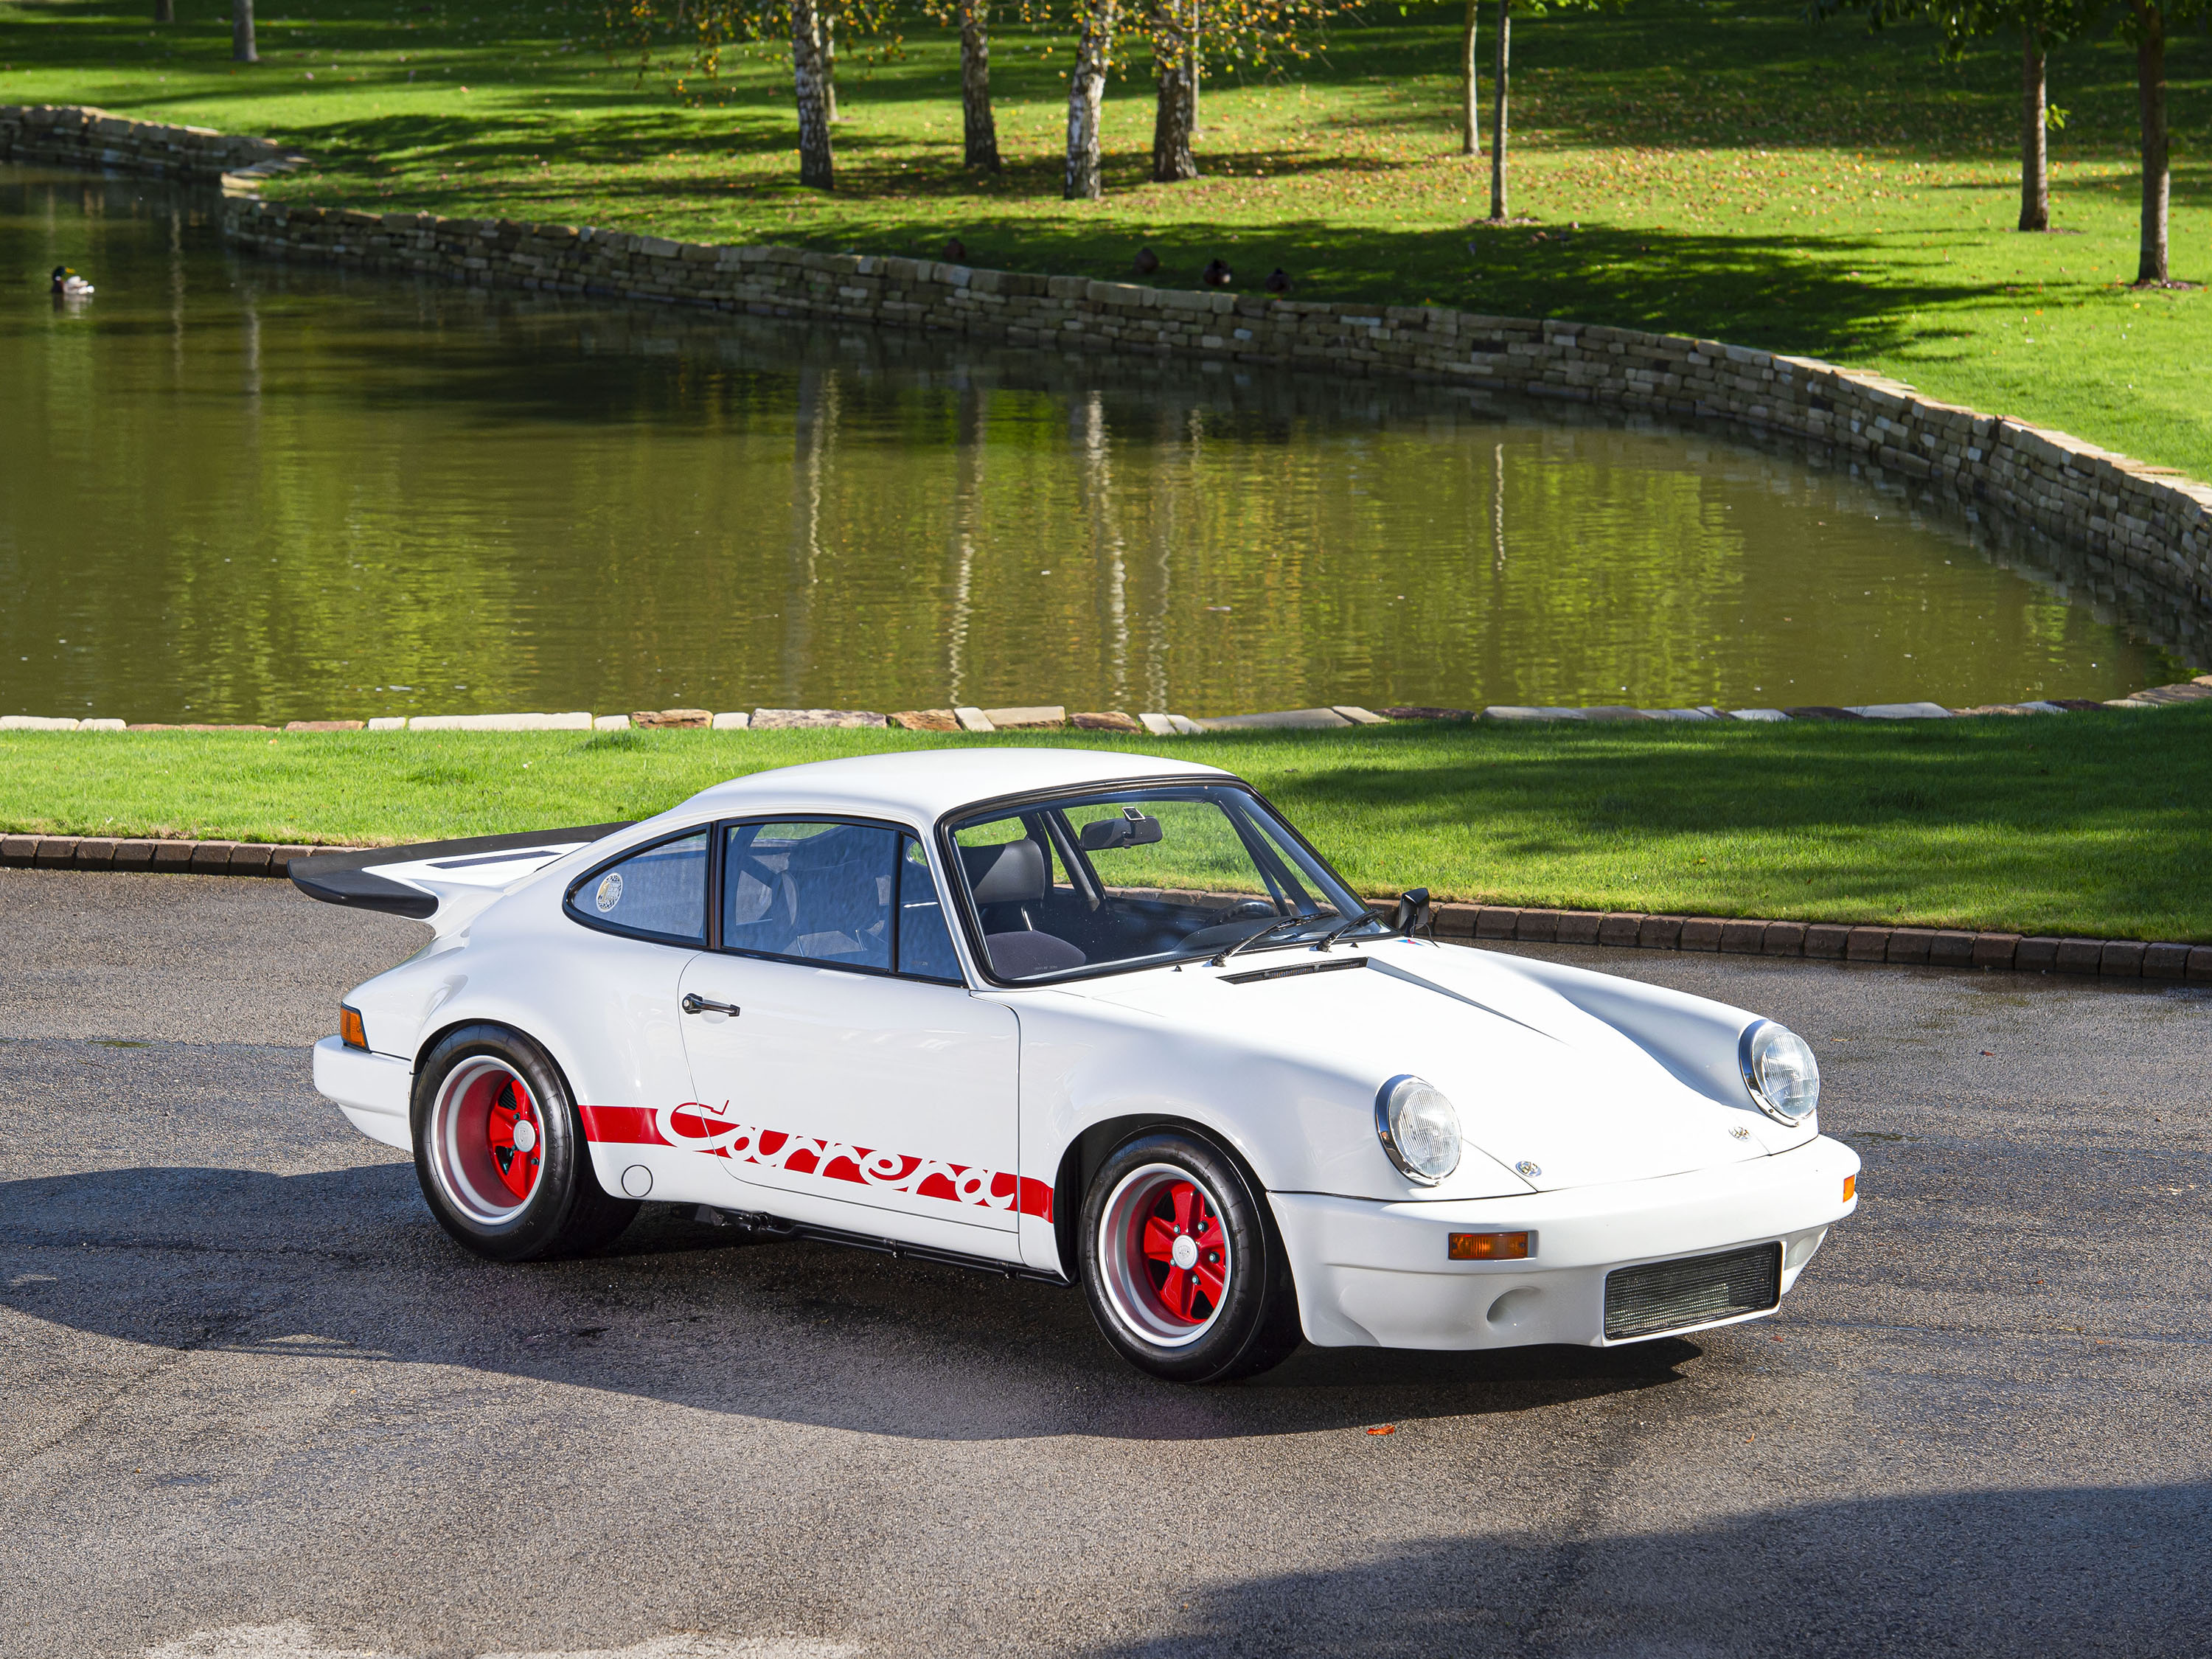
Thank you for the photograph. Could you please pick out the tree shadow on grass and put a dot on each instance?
(1887, 814)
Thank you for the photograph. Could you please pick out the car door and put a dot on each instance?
(837, 1057)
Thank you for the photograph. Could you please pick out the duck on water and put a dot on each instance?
(68, 284)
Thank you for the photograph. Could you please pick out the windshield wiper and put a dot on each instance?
(1252, 938)
(1342, 928)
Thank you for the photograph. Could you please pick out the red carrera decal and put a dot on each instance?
(697, 1127)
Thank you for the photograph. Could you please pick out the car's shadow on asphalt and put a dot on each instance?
(348, 1262)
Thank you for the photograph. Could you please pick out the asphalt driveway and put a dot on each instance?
(252, 1402)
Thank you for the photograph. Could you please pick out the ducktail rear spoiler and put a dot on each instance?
(415, 881)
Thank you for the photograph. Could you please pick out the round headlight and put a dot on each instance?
(1418, 1128)
(1780, 1070)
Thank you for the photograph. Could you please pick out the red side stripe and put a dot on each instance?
(635, 1125)
(1036, 1198)
(622, 1125)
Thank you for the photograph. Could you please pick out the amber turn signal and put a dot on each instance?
(351, 1031)
(1489, 1247)
(1851, 1187)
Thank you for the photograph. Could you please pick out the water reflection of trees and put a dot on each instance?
(282, 488)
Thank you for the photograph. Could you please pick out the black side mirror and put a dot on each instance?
(1133, 829)
(1414, 911)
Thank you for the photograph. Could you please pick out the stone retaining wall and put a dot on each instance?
(74, 135)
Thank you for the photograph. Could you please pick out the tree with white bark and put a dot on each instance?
(812, 27)
(1095, 22)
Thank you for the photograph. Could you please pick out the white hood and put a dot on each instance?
(1540, 1083)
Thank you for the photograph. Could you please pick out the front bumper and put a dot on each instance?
(1373, 1274)
(373, 1091)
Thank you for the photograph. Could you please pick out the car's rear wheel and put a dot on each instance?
(499, 1151)
(1182, 1264)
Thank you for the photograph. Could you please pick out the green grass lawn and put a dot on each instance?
(1728, 170)
(2086, 823)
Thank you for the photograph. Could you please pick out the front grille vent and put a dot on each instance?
(1670, 1295)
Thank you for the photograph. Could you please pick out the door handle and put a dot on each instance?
(695, 1003)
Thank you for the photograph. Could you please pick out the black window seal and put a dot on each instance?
(683, 941)
(1012, 805)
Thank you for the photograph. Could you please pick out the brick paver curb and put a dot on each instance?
(1930, 947)
(198, 858)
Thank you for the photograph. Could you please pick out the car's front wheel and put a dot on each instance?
(1182, 1264)
(499, 1151)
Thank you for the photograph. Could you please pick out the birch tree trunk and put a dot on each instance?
(1498, 113)
(241, 33)
(1172, 161)
(828, 25)
(817, 169)
(1086, 92)
(165, 11)
(1197, 34)
(2034, 154)
(979, 131)
(1470, 116)
(2150, 90)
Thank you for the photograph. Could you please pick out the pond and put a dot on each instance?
(233, 489)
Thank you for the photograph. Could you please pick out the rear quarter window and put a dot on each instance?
(657, 892)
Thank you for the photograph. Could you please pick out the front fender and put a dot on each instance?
(1299, 1125)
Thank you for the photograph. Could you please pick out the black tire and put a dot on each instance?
(533, 1199)
(1170, 1315)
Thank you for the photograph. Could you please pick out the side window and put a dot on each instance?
(661, 891)
(924, 944)
(820, 892)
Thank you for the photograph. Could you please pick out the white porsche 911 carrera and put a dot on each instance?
(1081, 1016)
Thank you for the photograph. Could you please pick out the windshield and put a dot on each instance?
(1120, 878)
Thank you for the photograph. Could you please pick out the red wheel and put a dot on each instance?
(488, 1139)
(1181, 1264)
(516, 1137)
(1166, 1254)
(499, 1151)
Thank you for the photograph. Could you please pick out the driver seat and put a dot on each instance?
(1005, 881)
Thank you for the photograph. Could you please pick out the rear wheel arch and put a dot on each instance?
(552, 1050)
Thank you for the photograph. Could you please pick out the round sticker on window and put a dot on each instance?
(609, 893)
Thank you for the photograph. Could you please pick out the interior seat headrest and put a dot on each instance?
(1010, 873)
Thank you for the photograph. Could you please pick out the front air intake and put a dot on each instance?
(1697, 1290)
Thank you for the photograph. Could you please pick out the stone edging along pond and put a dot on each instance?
(1735, 936)
(2152, 520)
